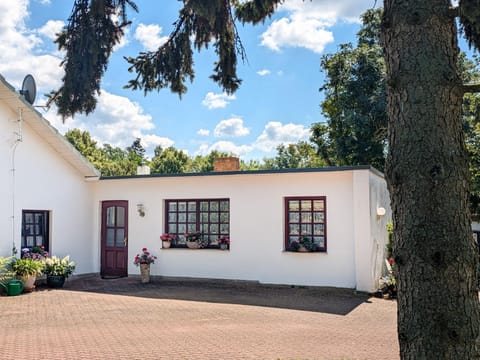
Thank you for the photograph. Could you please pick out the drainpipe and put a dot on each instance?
(18, 140)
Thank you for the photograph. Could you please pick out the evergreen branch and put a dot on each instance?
(471, 88)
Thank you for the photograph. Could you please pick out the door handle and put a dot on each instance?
(125, 242)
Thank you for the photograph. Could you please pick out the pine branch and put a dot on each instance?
(471, 88)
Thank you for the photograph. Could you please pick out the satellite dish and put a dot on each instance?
(29, 89)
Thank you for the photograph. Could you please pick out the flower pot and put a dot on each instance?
(145, 273)
(302, 249)
(55, 281)
(223, 246)
(166, 244)
(193, 244)
(28, 282)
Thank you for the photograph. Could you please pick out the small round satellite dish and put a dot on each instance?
(29, 89)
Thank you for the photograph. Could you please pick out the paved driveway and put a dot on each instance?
(91, 318)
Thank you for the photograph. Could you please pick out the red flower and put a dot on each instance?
(144, 249)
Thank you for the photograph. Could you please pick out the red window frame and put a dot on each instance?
(209, 216)
(308, 219)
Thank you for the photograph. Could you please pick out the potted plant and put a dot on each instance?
(35, 253)
(144, 260)
(57, 270)
(224, 243)
(167, 239)
(12, 286)
(27, 270)
(195, 240)
(302, 244)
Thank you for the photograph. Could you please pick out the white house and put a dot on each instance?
(52, 196)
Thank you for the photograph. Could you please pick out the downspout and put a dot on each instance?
(18, 140)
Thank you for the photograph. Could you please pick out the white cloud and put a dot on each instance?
(309, 34)
(215, 101)
(275, 133)
(203, 132)
(149, 36)
(116, 121)
(224, 146)
(263, 72)
(306, 23)
(232, 127)
(51, 29)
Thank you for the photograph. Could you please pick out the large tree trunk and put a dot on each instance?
(427, 175)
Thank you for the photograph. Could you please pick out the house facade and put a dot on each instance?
(55, 198)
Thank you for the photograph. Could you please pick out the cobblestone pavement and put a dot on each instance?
(92, 318)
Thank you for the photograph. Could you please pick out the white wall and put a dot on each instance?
(43, 181)
(257, 226)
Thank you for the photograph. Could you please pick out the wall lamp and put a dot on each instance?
(141, 210)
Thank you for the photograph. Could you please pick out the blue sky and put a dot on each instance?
(276, 103)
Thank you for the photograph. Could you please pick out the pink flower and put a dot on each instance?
(144, 249)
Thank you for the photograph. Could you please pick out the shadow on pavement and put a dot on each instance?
(317, 299)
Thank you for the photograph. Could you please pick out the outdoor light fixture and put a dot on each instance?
(141, 210)
(381, 211)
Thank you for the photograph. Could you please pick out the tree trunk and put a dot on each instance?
(427, 176)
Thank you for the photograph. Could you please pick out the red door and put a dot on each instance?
(114, 257)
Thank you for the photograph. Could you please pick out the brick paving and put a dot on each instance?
(92, 318)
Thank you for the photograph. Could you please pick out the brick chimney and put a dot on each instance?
(226, 164)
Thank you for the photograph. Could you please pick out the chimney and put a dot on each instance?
(226, 164)
(143, 170)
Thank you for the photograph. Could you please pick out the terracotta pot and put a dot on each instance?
(193, 244)
(28, 282)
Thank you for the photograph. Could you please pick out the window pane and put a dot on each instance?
(306, 217)
(318, 229)
(29, 218)
(294, 229)
(318, 217)
(224, 206)
(318, 205)
(319, 240)
(39, 240)
(224, 217)
(111, 216)
(120, 238)
(213, 217)
(30, 241)
(204, 206)
(192, 217)
(204, 217)
(192, 227)
(294, 217)
(172, 217)
(38, 218)
(182, 206)
(29, 230)
(306, 229)
(213, 229)
(224, 229)
(172, 206)
(182, 217)
(204, 228)
(182, 228)
(214, 206)
(306, 205)
(120, 216)
(172, 228)
(192, 206)
(110, 241)
(293, 205)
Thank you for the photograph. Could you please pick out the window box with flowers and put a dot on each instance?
(167, 240)
(144, 260)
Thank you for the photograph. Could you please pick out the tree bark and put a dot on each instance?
(427, 175)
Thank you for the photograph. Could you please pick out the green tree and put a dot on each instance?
(294, 156)
(169, 161)
(355, 101)
(202, 164)
(83, 142)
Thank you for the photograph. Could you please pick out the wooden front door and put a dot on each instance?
(114, 257)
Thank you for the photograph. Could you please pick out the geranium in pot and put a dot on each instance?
(57, 270)
(167, 240)
(144, 260)
(224, 243)
(195, 240)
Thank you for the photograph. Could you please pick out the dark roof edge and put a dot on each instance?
(251, 172)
